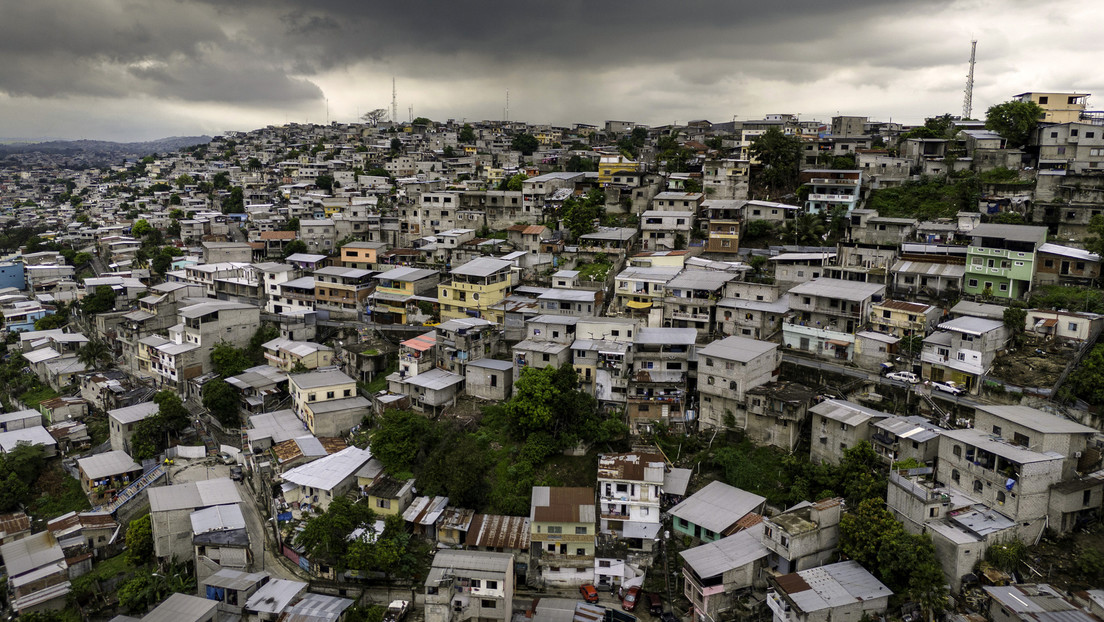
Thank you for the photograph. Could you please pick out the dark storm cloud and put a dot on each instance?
(120, 49)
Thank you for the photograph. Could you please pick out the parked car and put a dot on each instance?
(236, 473)
(396, 611)
(631, 597)
(904, 376)
(655, 604)
(948, 387)
(589, 592)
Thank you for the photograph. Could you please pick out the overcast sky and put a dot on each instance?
(146, 69)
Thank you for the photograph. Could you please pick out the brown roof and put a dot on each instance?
(332, 444)
(528, 229)
(627, 466)
(748, 521)
(563, 504)
(257, 246)
(15, 522)
(496, 531)
(792, 583)
(97, 521)
(278, 235)
(901, 305)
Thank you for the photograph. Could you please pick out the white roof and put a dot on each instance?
(838, 288)
(717, 557)
(971, 325)
(738, 349)
(326, 473)
(106, 464)
(192, 495)
(717, 506)
(835, 585)
(217, 518)
(34, 435)
(846, 412)
(130, 414)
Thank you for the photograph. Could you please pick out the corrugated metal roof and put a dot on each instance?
(716, 558)
(717, 506)
(496, 531)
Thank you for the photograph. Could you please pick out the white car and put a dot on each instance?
(948, 387)
(904, 376)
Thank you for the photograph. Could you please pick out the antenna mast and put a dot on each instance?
(968, 101)
(394, 102)
(507, 105)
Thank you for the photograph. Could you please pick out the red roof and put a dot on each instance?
(278, 235)
(421, 343)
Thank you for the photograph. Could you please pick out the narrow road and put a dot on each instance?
(260, 532)
(877, 379)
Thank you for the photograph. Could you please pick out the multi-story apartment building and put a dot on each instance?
(664, 230)
(962, 351)
(464, 340)
(776, 413)
(475, 288)
(826, 314)
(469, 585)
(187, 352)
(286, 354)
(609, 165)
(342, 292)
(638, 289)
(1057, 107)
(831, 189)
(1000, 261)
(327, 401)
(663, 360)
(725, 218)
(361, 255)
(726, 370)
(629, 490)
(903, 319)
(398, 291)
(839, 425)
(292, 297)
(561, 535)
(843, 591)
(804, 536)
(897, 439)
(690, 300)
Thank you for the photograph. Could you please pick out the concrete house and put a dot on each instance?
(37, 573)
(629, 490)
(171, 508)
(726, 370)
(469, 585)
(475, 288)
(804, 536)
(838, 425)
(826, 314)
(103, 474)
(285, 354)
(715, 574)
(662, 230)
(716, 511)
(489, 379)
(690, 300)
(1001, 260)
(1029, 602)
(327, 401)
(562, 535)
(122, 422)
(464, 340)
(962, 351)
(897, 439)
(220, 540)
(662, 358)
(776, 412)
(317, 483)
(842, 592)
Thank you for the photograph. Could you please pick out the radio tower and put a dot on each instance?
(394, 102)
(968, 101)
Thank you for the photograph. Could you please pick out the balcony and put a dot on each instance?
(686, 315)
(823, 181)
(843, 198)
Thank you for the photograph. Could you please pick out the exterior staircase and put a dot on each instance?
(133, 489)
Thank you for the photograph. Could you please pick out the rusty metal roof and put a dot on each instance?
(499, 532)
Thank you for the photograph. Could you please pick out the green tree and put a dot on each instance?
(101, 301)
(174, 416)
(514, 182)
(184, 180)
(396, 146)
(221, 181)
(758, 229)
(467, 134)
(1014, 120)
(139, 541)
(293, 247)
(148, 439)
(422, 121)
(580, 164)
(221, 400)
(228, 360)
(401, 440)
(235, 202)
(325, 182)
(141, 228)
(579, 215)
(806, 230)
(291, 225)
(779, 156)
(525, 143)
(1094, 243)
(94, 353)
(326, 536)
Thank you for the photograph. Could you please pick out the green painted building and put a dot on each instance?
(1001, 260)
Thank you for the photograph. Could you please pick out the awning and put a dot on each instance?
(839, 344)
(1048, 323)
(634, 529)
(632, 304)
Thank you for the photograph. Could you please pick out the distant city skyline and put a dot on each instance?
(130, 70)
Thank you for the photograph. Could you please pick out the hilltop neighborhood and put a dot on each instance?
(804, 370)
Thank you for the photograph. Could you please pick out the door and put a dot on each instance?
(1065, 267)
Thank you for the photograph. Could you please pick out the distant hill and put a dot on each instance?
(104, 147)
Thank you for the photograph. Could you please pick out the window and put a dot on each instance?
(492, 585)
(1086, 497)
(955, 475)
(488, 603)
(347, 393)
(1020, 439)
(978, 487)
(996, 430)
(957, 451)
(973, 283)
(580, 531)
(383, 504)
(1000, 497)
(1072, 326)
(555, 529)
(329, 395)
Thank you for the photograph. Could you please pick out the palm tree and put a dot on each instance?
(95, 352)
(805, 230)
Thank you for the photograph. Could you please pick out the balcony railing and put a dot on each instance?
(831, 197)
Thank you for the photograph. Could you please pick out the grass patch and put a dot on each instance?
(594, 272)
(379, 383)
(58, 494)
(37, 395)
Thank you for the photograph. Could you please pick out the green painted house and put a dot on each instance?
(1000, 261)
(716, 511)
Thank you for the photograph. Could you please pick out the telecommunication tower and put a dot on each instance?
(968, 100)
(394, 102)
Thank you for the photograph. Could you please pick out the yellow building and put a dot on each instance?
(901, 318)
(387, 495)
(475, 288)
(400, 289)
(361, 255)
(327, 401)
(609, 165)
(562, 528)
(285, 354)
(1058, 107)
